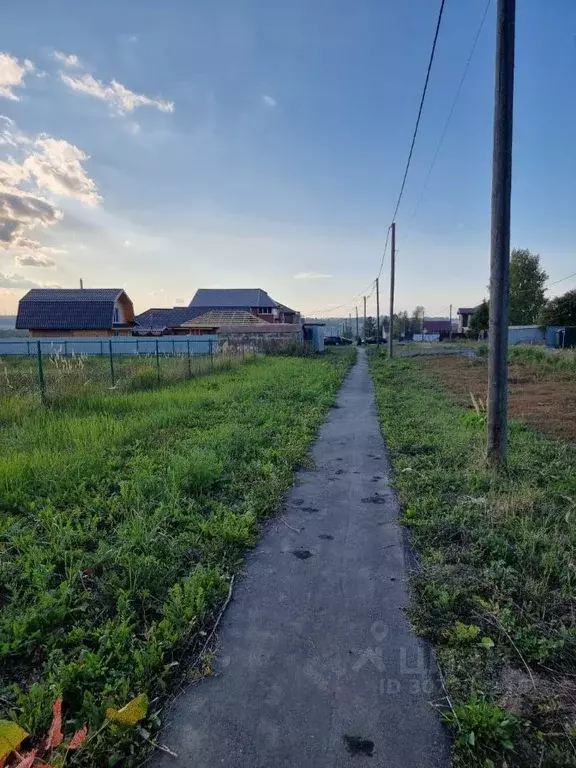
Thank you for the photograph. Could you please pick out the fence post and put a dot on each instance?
(157, 363)
(101, 348)
(189, 361)
(111, 362)
(173, 347)
(211, 350)
(41, 381)
(65, 348)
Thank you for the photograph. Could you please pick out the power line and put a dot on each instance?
(409, 161)
(562, 279)
(425, 89)
(453, 107)
(339, 306)
(384, 252)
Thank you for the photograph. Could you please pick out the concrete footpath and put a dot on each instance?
(317, 666)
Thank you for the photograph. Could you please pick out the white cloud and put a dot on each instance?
(120, 98)
(10, 135)
(270, 101)
(310, 276)
(48, 164)
(127, 243)
(13, 281)
(34, 260)
(57, 167)
(69, 60)
(12, 74)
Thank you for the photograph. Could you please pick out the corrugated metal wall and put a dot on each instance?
(121, 345)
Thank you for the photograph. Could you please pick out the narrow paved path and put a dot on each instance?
(317, 666)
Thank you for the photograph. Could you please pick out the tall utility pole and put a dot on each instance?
(392, 279)
(357, 329)
(450, 332)
(364, 329)
(377, 311)
(500, 234)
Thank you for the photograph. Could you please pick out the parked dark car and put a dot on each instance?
(336, 341)
(374, 340)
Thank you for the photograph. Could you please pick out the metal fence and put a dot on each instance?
(60, 369)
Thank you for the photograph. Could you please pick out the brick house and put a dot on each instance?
(253, 300)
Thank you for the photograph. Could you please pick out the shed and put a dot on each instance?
(314, 334)
(526, 334)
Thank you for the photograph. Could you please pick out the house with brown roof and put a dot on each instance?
(241, 326)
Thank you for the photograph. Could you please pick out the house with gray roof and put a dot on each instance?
(76, 312)
(176, 321)
(253, 300)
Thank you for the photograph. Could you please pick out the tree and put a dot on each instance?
(560, 311)
(369, 328)
(417, 319)
(480, 318)
(404, 323)
(527, 290)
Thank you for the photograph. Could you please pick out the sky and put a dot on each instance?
(165, 147)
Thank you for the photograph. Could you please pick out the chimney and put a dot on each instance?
(81, 283)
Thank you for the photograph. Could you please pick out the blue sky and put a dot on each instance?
(253, 143)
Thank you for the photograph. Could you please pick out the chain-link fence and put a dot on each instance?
(57, 371)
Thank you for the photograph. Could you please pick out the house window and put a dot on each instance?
(265, 311)
(116, 315)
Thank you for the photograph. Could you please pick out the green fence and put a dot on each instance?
(54, 374)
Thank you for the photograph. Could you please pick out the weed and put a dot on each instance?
(483, 731)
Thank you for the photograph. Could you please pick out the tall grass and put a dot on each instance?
(121, 519)
(496, 588)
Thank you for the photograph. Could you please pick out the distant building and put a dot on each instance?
(165, 321)
(76, 312)
(464, 315)
(242, 326)
(437, 326)
(253, 301)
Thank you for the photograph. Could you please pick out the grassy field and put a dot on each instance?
(542, 384)
(496, 588)
(122, 519)
(67, 377)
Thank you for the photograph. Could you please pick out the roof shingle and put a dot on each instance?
(62, 309)
(231, 298)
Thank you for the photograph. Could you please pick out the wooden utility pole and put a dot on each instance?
(377, 311)
(392, 279)
(500, 234)
(364, 329)
(357, 329)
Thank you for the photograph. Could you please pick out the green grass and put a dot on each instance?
(495, 590)
(543, 358)
(68, 377)
(122, 518)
